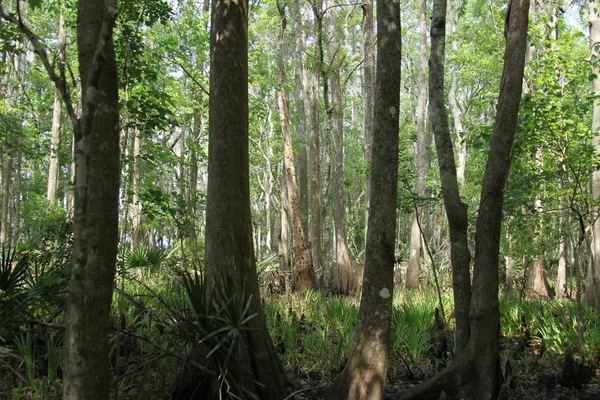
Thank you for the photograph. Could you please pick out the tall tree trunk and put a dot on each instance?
(343, 280)
(592, 290)
(365, 373)
(368, 93)
(304, 112)
(476, 372)
(305, 276)
(315, 221)
(456, 210)
(54, 168)
(95, 220)
(456, 111)
(413, 273)
(229, 255)
(284, 243)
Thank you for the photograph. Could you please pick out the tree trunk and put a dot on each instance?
(344, 280)
(229, 255)
(284, 243)
(413, 273)
(538, 285)
(315, 220)
(95, 220)
(365, 373)
(368, 92)
(304, 107)
(54, 168)
(305, 276)
(456, 210)
(5, 223)
(561, 276)
(476, 372)
(456, 111)
(592, 290)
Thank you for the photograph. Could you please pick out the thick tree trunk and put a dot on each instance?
(365, 373)
(537, 284)
(456, 210)
(5, 222)
(284, 242)
(343, 281)
(413, 273)
(229, 255)
(592, 290)
(95, 220)
(54, 167)
(304, 107)
(476, 372)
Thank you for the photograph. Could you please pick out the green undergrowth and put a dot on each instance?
(156, 319)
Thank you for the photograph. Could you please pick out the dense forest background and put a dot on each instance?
(311, 116)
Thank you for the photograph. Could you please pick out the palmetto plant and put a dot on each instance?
(13, 271)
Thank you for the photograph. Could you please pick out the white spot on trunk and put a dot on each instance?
(392, 111)
(385, 293)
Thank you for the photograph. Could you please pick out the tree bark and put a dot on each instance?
(304, 107)
(96, 198)
(368, 92)
(305, 276)
(561, 275)
(365, 373)
(54, 167)
(229, 255)
(456, 210)
(592, 290)
(476, 372)
(343, 281)
(413, 272)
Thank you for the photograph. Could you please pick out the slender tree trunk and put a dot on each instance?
(413, 273)
(344, 280)
(561, 276)
(284, 243)
(368, 93)
(136, 236)
(476, 372)
(305, 276)
(456, 210)
(5, 225)
(592, 290)
(54, 168)
(456, 111)
(229, 255)
(95, 220)
(365, 373)
(315, 221)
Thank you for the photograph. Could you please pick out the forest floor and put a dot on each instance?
(539, 381)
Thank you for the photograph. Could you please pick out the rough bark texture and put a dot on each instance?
(343, 281)
(368, 92)
(95, 220)
(592, 290)
(54, 167)
(365, 373)
(303, 113)
(476, 373)
(413, 271)
(456, 210)
(305, 276)
(229, 255)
